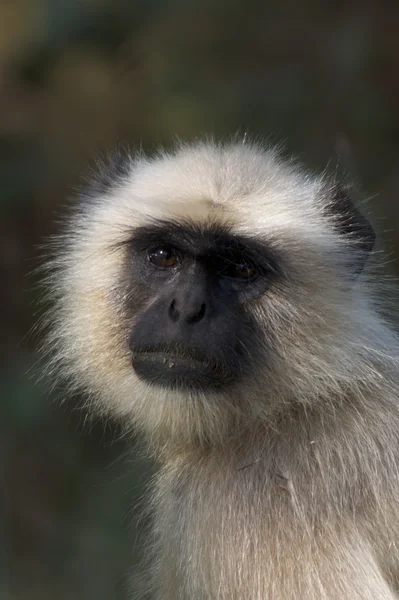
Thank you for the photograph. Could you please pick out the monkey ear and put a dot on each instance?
(352, 224)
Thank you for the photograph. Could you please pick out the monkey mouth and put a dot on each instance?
(178, 371)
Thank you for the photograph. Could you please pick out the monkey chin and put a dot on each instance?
(179, 372)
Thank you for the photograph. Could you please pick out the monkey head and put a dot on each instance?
(207, 288)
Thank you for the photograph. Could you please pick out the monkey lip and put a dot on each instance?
(177, 370)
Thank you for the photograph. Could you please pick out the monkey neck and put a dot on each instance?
(293, 454)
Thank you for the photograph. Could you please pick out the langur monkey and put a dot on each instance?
(219, 300)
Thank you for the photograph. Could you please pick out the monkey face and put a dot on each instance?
(209, 287)
(192, 329)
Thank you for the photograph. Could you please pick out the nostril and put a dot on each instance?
(199, 315)
(188, 313)
(173, 312)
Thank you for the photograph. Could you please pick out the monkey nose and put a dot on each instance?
(190, 311)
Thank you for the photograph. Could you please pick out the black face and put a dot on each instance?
(190, 295)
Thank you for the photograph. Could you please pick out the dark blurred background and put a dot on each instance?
(78, 77)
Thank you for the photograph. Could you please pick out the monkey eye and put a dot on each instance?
(239, 270)
(164, 258)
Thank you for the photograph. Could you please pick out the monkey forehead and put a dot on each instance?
(242, 186)
(220, 176)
